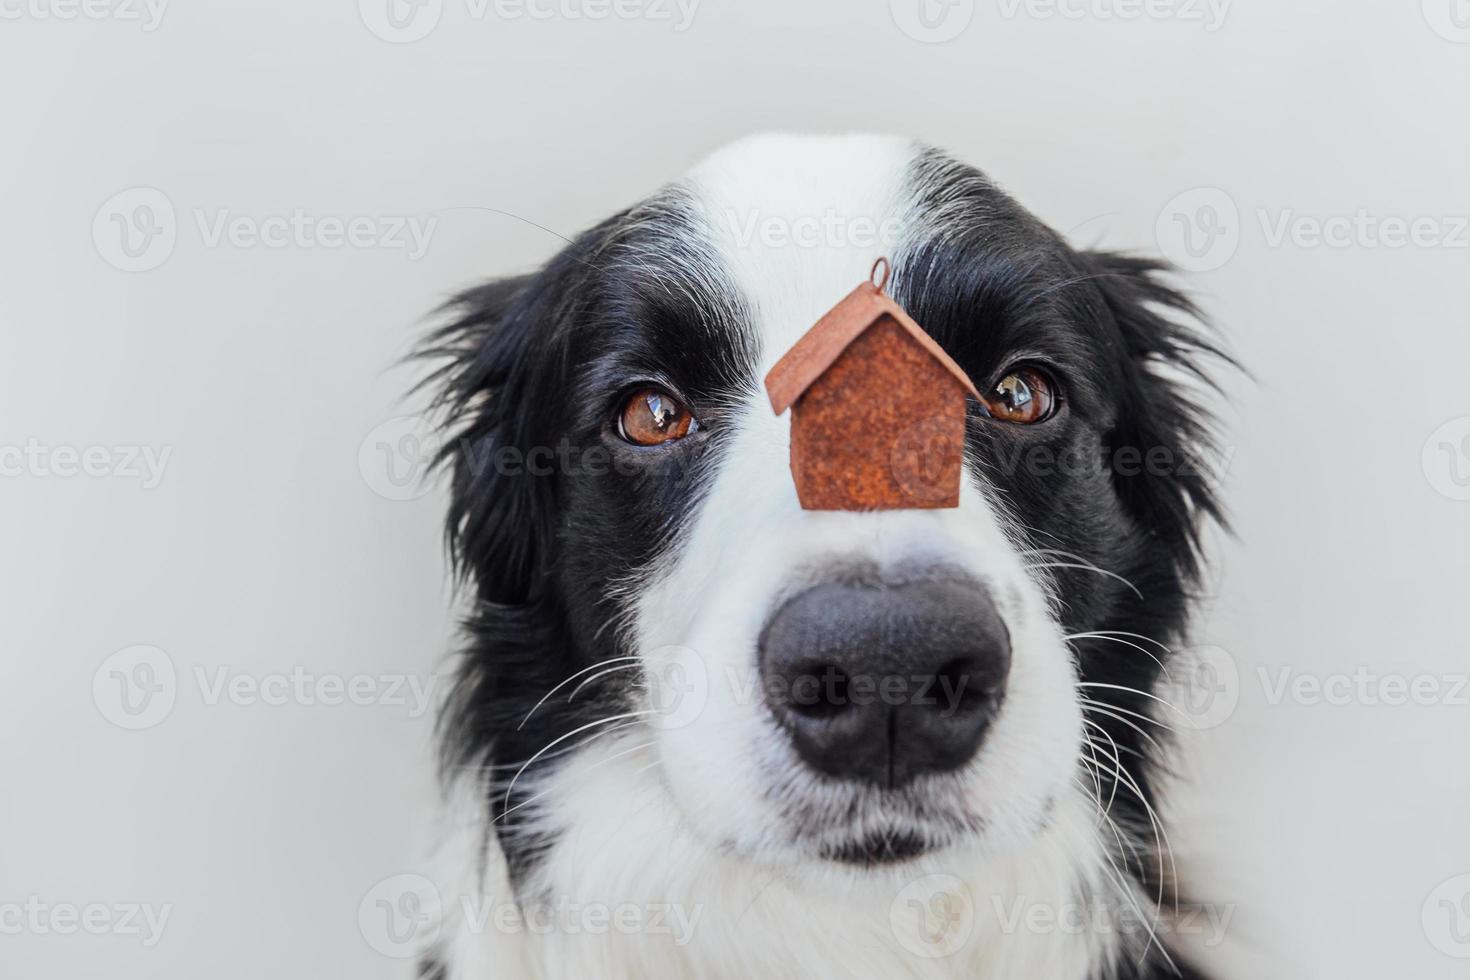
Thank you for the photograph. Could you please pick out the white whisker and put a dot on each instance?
(600, 762)
(552, 744)
(1106, 710)
(601, 673)
(1134, 690)
(564, 683)
(1105, 635)
(1089, 568)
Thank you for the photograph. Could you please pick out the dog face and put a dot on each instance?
(817, 689)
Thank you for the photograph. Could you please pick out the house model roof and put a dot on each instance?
(824, 343)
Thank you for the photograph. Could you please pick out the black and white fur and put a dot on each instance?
(672, 558)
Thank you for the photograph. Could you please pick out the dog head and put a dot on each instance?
(833, 689)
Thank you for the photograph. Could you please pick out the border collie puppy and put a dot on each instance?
(699, 731)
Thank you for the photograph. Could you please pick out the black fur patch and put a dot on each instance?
(549, 507)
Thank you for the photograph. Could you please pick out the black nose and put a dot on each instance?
(883, 684)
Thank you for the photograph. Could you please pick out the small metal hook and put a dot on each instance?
(873, 275)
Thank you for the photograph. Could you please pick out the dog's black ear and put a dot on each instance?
(498, 367)
(1168, 357)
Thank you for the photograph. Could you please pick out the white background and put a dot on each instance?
(264, 548)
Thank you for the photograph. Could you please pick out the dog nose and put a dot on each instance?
(881, 684)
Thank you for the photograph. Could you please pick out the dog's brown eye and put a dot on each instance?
(651, 416)
(1024, 396)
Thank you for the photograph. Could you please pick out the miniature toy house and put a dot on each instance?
(878, 409)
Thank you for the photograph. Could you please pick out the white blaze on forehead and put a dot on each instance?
(799, 220)
(699, 614)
